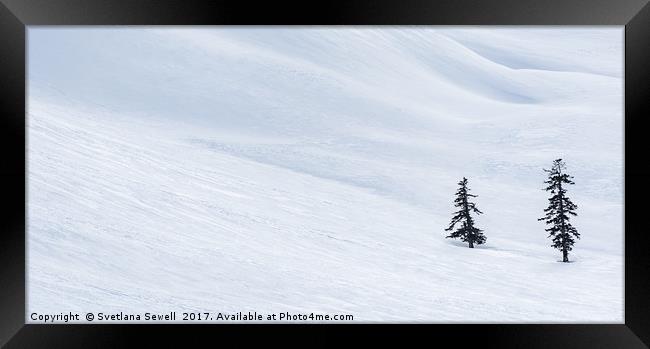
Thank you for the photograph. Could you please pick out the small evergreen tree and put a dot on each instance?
(559, 210)
(467, 232)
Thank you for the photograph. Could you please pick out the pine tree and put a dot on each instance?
(559, 210)
(467, 232)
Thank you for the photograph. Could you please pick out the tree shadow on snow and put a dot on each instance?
(466, 245)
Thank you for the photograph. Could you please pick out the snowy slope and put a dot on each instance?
(313, 170)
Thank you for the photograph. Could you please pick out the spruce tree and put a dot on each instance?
(559, 210)
(467, 232)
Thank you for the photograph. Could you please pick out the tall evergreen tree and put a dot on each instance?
(559, 210)
(467, 232)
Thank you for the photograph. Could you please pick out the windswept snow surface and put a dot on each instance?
(313, 170)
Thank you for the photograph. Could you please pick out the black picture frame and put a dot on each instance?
(16, 15)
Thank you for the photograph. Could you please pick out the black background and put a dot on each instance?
(15, 15)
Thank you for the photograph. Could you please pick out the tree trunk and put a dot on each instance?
(565, 257)
(471, 244)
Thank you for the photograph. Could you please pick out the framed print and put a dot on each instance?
(436, 169)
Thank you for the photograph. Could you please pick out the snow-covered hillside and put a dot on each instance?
(313, 170)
